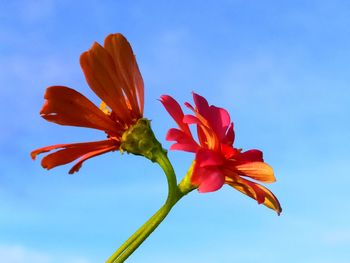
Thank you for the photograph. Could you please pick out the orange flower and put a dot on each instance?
(217, 162)
(112, 73)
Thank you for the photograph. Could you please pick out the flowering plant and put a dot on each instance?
(112, 73)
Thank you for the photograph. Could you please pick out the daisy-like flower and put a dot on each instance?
(217, 162)
(113, 74)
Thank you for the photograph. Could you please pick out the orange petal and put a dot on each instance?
(255, 191)
(257, 170)
(66, 106)
(89, 155)
(126, 66)
(45, 149)
(71, 152)
(100, 73)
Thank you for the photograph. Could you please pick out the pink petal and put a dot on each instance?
(230, 135)
(208, 158)
(175, 111)
(249, 156)
(203, 140)
(188, 105)
(208, 179)
(184, 141)
(219, 120)
(229, 151)
(201, 104)
(184, 147)
(190, 119)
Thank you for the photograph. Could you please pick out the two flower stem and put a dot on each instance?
(175, 193)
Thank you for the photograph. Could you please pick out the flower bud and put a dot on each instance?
(139, 139)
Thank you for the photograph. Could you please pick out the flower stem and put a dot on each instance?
(150, 227)
(131, 239)
(174, 195)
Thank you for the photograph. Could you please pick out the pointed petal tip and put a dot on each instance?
(163, 98)
(167, 98)
(277, 209)
(95, 45)
(74, 169)
(45, 166)
(33, 155)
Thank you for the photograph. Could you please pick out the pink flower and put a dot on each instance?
(217, 162)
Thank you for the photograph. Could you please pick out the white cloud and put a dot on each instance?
(20, 254)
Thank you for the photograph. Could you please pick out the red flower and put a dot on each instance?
(216, 160)
(112, 73)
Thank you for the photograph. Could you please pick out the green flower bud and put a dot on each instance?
(139, 139)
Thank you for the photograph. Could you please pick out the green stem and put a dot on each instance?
(164, 163)
(163, 212)
(174, 195)
(176, 192)
(131, 239)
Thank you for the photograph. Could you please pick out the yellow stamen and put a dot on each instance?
(105, 108)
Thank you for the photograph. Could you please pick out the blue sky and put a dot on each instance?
(280, 68)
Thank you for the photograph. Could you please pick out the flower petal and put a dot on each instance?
(45, 149)
(126, 67)
(182, 147)
(201, 105)
(229, 152)
(230, 135)
(66, 106)
(202, 136)
(73, 151)
(202, 119)
(257, 170)
(208, 179)
(100, 74)
(249, 156)
(256, 191)
(206, 158)
(190, 119)
(207, 137)
(219, 120)
(89, 155)
(184, 141)
(175, 111)
(247, 187)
